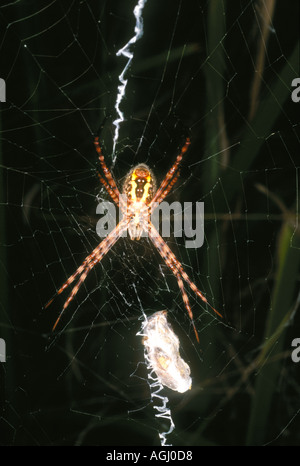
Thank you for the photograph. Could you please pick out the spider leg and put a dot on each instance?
(177, 269)
(172, 174)
(166, 191)
(87, 265)
(109, 183)
(185, 300)
(79, 271)
(110, 191)
(68, 282)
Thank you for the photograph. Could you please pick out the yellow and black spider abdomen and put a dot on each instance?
(139, 184)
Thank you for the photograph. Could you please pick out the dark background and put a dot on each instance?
(195, 71)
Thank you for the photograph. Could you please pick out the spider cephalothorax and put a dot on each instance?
(137, 203)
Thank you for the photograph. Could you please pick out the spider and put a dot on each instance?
(141, 199)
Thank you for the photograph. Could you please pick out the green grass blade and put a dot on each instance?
(276, 325)
(262, 125)
(215, 88)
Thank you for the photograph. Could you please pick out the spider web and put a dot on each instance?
(220, 72)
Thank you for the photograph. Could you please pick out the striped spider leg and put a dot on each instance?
(164, 250)
(99, 252)
(177, 269)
